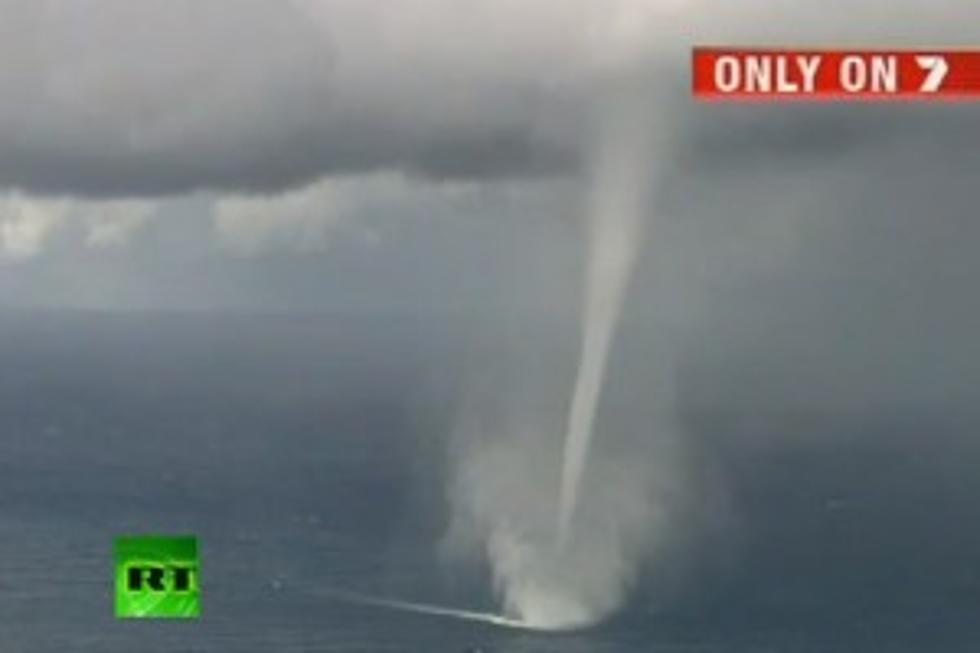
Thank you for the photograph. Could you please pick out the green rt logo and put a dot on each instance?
(157, 577)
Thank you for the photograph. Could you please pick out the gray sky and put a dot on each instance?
(433, 154)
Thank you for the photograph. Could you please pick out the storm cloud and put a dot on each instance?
(159, 97)
(259, 144)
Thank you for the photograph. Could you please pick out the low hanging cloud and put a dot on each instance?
(306, 219)
(111, 224)
(299, 220)
(28, 223)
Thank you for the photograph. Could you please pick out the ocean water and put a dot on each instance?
(309, 455)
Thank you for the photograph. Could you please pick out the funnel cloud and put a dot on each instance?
(614, 221)
(564, 552)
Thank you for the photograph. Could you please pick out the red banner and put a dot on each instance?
(790, 74)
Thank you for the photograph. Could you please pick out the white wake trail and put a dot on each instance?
(427, 609)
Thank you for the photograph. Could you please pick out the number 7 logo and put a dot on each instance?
(936, 70)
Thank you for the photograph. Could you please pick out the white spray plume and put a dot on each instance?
(505, 510)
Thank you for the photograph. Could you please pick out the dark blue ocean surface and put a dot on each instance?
(309, 455)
